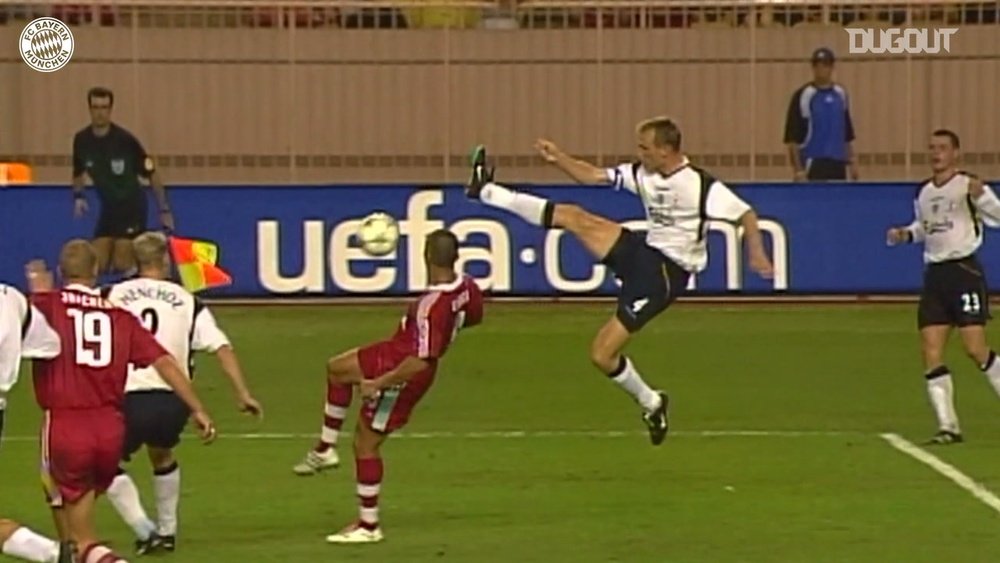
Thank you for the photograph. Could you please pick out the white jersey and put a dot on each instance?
(24, 332)
(178, 320)
(678, 208)
(948, 221)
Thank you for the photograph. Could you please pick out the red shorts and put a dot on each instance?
(392, 409)
(80, 452)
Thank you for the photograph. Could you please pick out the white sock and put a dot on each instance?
(529, 207)
(168, 493)
(630, 380)
(27, 545)
(941, 394)
(124, 496)
(992, 371)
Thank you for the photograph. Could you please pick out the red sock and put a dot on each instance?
(369, 475)
(338, 398)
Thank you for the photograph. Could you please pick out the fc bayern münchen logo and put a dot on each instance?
(46, 44)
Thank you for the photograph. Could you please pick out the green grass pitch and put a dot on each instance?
(522, 452)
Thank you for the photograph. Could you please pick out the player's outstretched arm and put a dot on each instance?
(231, 367)
(580, 170)
(759, 261)
(405, 371)
(172, 375)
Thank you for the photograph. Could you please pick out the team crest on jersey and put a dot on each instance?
(118, 166)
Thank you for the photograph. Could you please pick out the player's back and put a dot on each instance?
(166, 310)
(433, 321)
(98, 342)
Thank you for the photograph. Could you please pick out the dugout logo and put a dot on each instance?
(46, 44)
(910, 40)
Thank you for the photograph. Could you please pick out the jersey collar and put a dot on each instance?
(83, 289)
(447, 286)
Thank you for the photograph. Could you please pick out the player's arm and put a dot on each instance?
(986, 201)
(209, 337)
(795, 134)
(725, 205)
(41, 341)
(580, 170)
(79, 178)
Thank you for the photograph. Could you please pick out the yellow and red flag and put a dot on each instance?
(196, 264)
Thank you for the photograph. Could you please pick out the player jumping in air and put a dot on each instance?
(392, 376)
(82, 391)
(950, 209)
(679, 199)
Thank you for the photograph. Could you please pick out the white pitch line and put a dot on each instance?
(977, 490)
(516, 434)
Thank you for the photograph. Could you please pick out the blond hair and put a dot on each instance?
(150, 249)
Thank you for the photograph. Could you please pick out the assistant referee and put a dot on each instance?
(117, 165)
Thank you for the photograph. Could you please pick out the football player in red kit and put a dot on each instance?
(392, 376)
(82, 390)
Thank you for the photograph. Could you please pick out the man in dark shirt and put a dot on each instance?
(115, 162)
(818, 127)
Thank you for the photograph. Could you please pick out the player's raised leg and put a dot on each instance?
(940, 390)
(368, 472)
(597, 233)
(20, 542)
(342, 372)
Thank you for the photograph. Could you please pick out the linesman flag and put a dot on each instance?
(196, 264)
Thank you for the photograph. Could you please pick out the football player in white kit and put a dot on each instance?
(950, 209)
(24, 333)
(654, 269)
(154, 415)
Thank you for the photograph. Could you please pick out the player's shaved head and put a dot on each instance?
(150, 250)
(78, 260)
(665, 132)
(441, 249)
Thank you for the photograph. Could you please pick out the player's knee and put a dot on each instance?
(568, 215)
(161, 459)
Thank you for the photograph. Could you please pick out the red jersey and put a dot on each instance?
(432, 322)
(99, 341)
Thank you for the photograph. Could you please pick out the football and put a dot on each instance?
(378, 234)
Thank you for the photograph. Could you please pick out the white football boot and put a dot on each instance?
(314, 462)
(355, 534)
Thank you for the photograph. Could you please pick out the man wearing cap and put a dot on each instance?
(818, 128)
